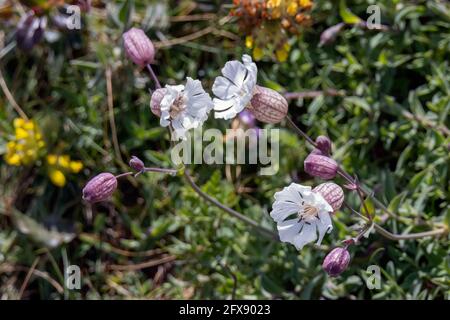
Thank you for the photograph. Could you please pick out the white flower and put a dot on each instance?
(301, 215)
(235, 89)
(185, 107)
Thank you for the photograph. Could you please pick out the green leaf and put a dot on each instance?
(368, 204)
(126, 12)
(346, 15)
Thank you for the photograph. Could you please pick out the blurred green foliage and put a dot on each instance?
(389, 128)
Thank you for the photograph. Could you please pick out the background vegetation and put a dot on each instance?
(157, 238)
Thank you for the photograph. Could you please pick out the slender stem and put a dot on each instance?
(312, 94)
(125, 174)
(205, 196)
(410, 236)
(363, 203)
(112, 121)
(300, 131)
(396, 237)
(10, 97)
(162, 170)
(154, 77)
(360, 234)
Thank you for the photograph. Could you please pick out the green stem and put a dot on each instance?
(397, 237)
(267, 232)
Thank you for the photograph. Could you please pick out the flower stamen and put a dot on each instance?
(309, 213)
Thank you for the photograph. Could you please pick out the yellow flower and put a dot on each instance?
(21, 133)
(59, 165)
(19, 122)
(57, 177)
(273, 4)
(64, 161)
(276, 13)
(51, 159)
(249, 41)
(25, 147)
(29, 125)
(292, 8)
(283, 53)
(258, 53)
(12, 159)
(76, 166)
(305, 3)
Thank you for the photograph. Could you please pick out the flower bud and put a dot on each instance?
(336, 261)
(332, 193)
(100, 187)
(155, 101)
(324, 145)
(320, 166)
(316, 151)
(137, 164)
(330, 34)
(267, 105)
(138, 47)
(30, 31)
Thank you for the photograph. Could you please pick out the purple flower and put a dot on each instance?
(247, 118)
(138, 47)
(100, 187)
(336, 261)
(30, 31)
(320, 166)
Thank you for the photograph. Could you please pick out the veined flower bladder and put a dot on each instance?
(302, 215)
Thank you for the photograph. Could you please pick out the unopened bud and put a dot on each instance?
(330, 34)
(320, 166)
(136, 164)
(138, 47)
(332, 193)
(336, 261)
(267, 105)
(100, 188)
(324, 145)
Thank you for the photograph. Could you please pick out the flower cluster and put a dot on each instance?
(27, 144)
(60, 166)
(268, 24)
(187, 107)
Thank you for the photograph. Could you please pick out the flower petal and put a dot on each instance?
(224, 88)
(281, 211)
(235, 71)
(324, 225)
(307, 235)
(289, 229)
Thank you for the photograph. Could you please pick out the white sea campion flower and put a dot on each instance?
(185, 107)
(302, 215)
(235, 88)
